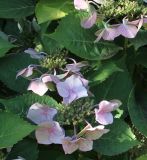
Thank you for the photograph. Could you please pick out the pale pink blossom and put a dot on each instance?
(71, 89)
(70, 144)
(39, 113)
(81, 4)
(49, 132)
(26, 72)
(103, 114)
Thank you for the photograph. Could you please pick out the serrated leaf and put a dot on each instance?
(16, 8)
(50, 10)
(5, 46)
(140, 39)
(21, 104)
(12, 129)
(120, 139)
(23, 149)
(9, 66)
(138, 111)
(81, 41)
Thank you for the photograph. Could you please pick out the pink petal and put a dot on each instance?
(68, 145)
(85, 144)
(81, 4)
(49, 132)
(38, 87)
(63, 89)
(90, 21)
(110, 34)
(68, 100)
(103, 118)
(39, 113)
(128, 31)
(26, 72)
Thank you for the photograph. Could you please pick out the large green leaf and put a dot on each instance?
(20, 104)
(138, 110)
(16, 8)
(49, 10)
(9, 66)
(140, 39)
(5, 46)
(80, 41)
(143, 157)
(12, 129)
(120, 139)
(23, 149)
(104, 71)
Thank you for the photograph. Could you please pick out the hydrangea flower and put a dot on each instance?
(127, 29)
(71, 144)
(34, 54)
(109, 33)
(71, 89)
(39, 113)
(49, 132)
(26, 72)
(103, 114)
(39, 85)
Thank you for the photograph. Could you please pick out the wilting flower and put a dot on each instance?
(39, 113)
(26, 72)
(34, 54)
(103, 114)
(93, 133)
(127, 29)
(109, 33)
(71, 89)
(49, 132)
(71, 144)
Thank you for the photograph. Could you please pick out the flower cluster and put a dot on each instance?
(50, 131)
(70, 85)
(128, 29)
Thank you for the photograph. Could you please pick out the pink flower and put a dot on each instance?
(70, 145)
(109, 33)
(39, 113)
(71, 89)
(26, 72)
(75, 67)
(38, 87)
(90, 21)
(127, 29)
(34, 54)
(103, 114)
(49, 132)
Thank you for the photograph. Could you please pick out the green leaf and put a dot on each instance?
(9, 66)
(50, 10)
(80, 41)
(5, 46)
(66, 157)
(23, 149)
(143, 157)
(138, 111)
(12, 129)
(21, 104)
(140, 39)
(16, 8)
(104, 71)
(120, 139)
